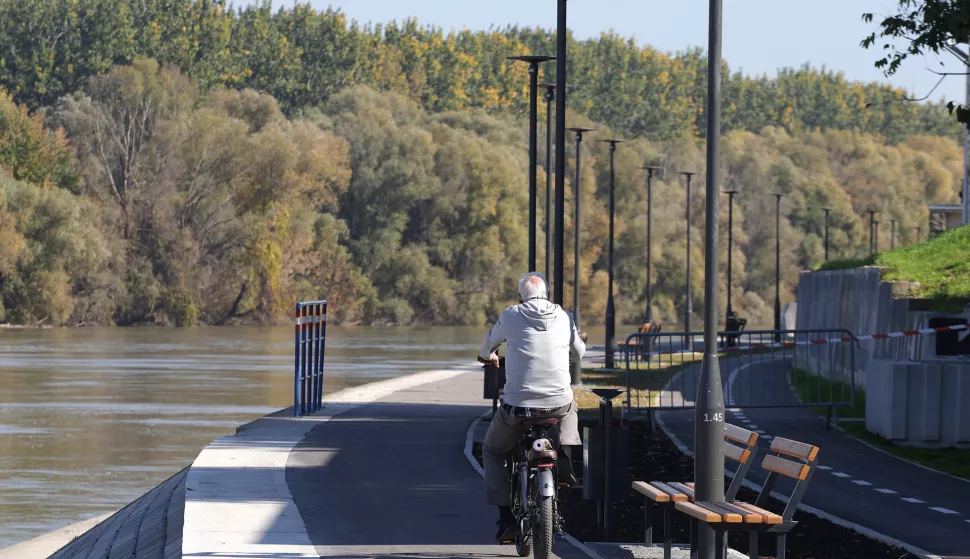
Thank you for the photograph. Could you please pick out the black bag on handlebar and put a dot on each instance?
(494, 379)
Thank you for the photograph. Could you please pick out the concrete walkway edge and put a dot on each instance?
(231, 510)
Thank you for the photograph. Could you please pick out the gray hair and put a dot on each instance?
(533, 286)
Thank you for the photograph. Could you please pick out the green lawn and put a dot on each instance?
(940, 266)
(953, 461)
(644, 377)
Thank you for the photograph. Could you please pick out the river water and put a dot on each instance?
(92, 418)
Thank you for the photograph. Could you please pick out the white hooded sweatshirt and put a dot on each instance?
(541, 337)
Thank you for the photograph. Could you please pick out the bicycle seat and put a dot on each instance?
(542, 421)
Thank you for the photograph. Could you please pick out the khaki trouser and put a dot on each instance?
(504, 433)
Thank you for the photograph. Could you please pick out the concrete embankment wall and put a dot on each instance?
(148, 528)
(858, 301)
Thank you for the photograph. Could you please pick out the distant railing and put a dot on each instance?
(760, 369)
(310, 343)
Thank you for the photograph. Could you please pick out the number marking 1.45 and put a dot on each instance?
(717, 417)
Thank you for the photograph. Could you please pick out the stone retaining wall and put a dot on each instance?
(858, 301)
(148, 528)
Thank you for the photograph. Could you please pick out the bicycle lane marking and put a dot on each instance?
(730, 403)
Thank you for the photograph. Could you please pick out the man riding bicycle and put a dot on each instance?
(541, 338)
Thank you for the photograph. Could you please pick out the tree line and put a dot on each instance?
(303, 57)
(144, 196)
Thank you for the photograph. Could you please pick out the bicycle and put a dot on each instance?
(533, 476)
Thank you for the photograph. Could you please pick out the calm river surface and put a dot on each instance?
(92, 418)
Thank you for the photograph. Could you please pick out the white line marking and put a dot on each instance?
(746, 422)
(752, 426)
(886, 491)
(840, 474)
(759, 431)
(784, 498)
(236, 486)
(943, 510)
(860, 482)
(824, 467)
(913, 500)
(767, 437)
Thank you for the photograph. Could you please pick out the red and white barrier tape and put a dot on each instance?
(902, 334)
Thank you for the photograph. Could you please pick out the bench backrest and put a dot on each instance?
(792, 459)
(741, 446)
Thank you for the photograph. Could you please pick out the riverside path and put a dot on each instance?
(380, 472)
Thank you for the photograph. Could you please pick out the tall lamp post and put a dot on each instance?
(872, 229)
(648, 314)
(709, 407)
(778, 265)
(875, 238)
(561, 158)
(576, 221)
(550, 218)
(688, 306)
(892, 234)
(610, 309)
(826, 210)
(534, 62)
(730, 312)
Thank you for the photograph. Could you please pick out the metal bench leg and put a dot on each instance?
(668, 532)
(780, 551)
(720, 547)
(648, 521)
(752, 545)
(693, 539)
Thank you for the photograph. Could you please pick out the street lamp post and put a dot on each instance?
(561, 157)
(892, 234)
(688, 306)
(576, 221)
(872, 229)
(709, 402)
(648, 314)
(550, 218)
(827, 210)
(875, 238)
(610, 309)
(534, 62)
(778, 266)
(730, 312)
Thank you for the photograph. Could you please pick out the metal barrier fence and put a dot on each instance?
(310, 343)
(662, 369)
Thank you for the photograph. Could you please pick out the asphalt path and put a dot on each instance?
(390, 479)
(854, 482)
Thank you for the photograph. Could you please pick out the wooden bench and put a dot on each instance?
(740, 446)
(792, 459)
(641, 342)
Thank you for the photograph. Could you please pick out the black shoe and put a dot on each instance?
(507, 532)
(508, 526)
(567, 474)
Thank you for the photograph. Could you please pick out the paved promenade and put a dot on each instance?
(381, 472)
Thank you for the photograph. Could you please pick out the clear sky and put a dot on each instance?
(760, 36)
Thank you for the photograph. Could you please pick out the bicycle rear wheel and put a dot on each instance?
(543, 528)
